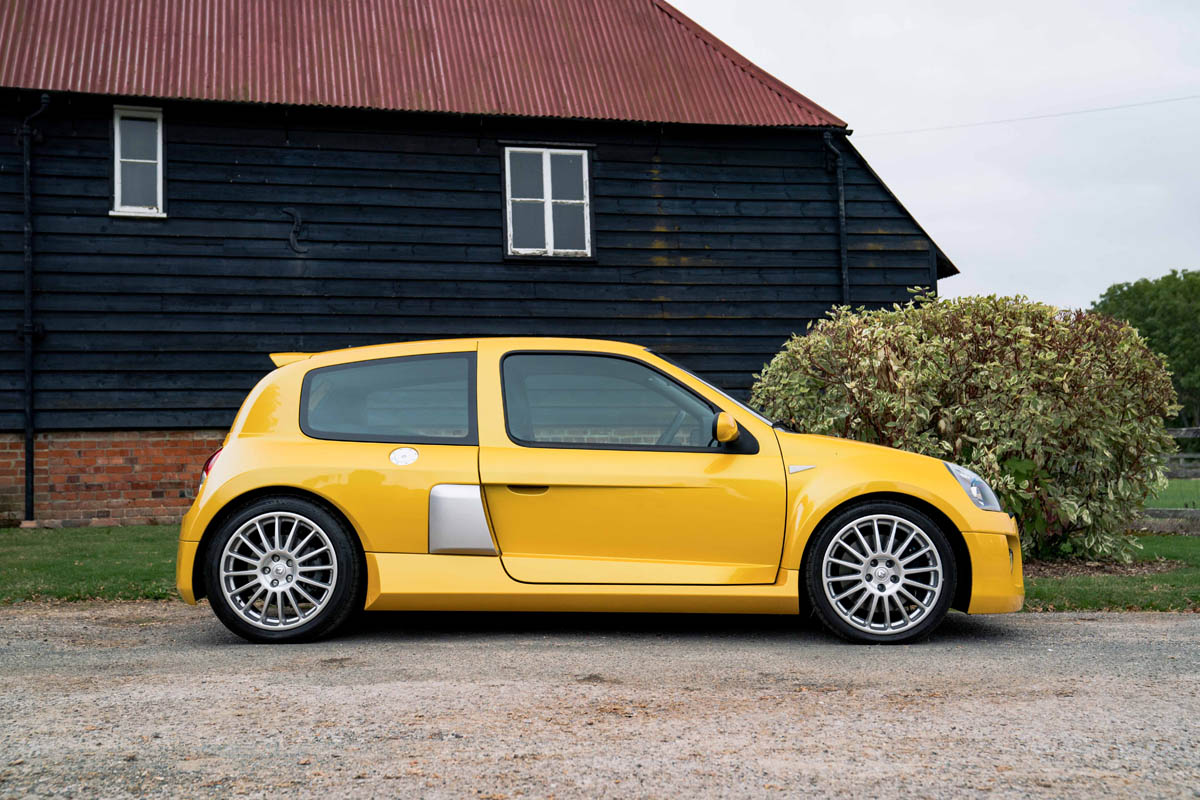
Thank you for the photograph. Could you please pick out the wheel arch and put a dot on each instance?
(962, 557)
(246, 498)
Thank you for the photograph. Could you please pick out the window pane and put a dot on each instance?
(528, 226)
(566, 176)
(598, 400)
(568, 227)
(139, 184)
(525, 174)
(139, 138)
(395, 400)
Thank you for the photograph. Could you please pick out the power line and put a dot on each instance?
(1034, 116)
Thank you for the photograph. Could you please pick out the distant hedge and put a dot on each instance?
(1060, 411)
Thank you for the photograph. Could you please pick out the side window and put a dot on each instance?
(411, 399)
(546, 192)
(137, 162)
(602, 401)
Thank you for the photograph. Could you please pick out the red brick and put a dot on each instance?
(103, 477)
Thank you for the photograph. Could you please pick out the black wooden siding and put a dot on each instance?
(712, 245)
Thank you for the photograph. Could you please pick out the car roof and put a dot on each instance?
(454, 345)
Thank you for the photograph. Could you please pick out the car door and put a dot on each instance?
(607, 473)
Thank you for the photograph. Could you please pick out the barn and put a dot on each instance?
(189, 185)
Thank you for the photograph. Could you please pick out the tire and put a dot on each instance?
(910, 564)
(313, 580)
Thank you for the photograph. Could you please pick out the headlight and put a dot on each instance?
(976, 488)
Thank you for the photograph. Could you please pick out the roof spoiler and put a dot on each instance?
(283, 359)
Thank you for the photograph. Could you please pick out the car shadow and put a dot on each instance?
(441, 625)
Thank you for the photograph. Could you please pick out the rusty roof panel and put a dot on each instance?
(597, 59)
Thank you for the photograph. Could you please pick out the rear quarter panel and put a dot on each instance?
(386, 504)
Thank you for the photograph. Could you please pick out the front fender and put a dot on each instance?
(833, 472)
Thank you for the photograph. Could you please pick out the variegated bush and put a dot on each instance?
(1061, 411)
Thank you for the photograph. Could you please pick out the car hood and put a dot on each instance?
(811, 450)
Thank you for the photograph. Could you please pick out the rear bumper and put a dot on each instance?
(997, 583)
(185, 560)
(185, 554)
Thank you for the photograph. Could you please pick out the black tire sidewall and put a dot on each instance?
(347, 593)
(823, 538)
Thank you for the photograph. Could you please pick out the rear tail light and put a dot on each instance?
(208, 465)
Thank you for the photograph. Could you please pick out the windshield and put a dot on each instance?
(717, 389)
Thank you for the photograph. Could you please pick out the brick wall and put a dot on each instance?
(105, 477)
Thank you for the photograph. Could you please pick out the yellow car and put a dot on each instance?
(569, 475)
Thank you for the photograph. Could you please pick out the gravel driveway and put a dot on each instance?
(157, 699)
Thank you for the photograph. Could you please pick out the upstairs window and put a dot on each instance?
(137, 162)
(546, 192)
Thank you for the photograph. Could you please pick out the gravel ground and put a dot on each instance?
(156, 699)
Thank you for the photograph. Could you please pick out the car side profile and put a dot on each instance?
(527, 474)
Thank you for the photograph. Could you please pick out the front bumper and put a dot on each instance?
(997, 583)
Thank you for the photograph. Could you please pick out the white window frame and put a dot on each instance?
(119, 209)
(548, 203)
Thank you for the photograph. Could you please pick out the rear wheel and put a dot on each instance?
(881, 572)
(283, 570)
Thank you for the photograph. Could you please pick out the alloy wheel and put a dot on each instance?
(882, 574)
(278, 570)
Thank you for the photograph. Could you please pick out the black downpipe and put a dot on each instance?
(843, 249)
(29, 329)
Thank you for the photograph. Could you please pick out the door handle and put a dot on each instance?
(526, 489)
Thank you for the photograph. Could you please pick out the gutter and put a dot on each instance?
(843, 248)
(29, 330)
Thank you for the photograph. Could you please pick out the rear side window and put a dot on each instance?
(410, 400)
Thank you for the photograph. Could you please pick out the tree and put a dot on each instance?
(1166, 311)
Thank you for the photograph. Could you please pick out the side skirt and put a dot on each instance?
(422, 582)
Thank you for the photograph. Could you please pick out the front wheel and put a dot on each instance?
(881, 573)
(283, 570)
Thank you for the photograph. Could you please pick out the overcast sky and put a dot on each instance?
(1058, 209)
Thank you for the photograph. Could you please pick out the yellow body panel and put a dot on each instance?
(585, 529)
(839, 470)
(387, 505)
(618, 516)
(403, 582)
(998, 586)
(185, 559)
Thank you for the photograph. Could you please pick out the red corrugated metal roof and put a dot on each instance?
(599, 59)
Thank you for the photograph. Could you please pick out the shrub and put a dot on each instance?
(1060, 411)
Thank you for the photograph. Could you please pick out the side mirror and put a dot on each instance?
(725, 428)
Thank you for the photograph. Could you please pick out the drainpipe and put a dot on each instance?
(29, 330)
(843, 256)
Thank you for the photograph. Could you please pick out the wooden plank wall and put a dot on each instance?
(712, 245)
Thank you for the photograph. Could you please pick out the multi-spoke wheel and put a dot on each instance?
(283, 569)
(881, 572)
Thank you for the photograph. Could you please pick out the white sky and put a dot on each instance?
(1057, 209)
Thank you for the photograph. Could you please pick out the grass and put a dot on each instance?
(1178, 590)
(139, 563)
(1180, 493)
(128, 563)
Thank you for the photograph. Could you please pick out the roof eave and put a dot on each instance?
(945, 267)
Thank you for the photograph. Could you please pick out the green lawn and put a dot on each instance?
(1178, 590)
(1180, 493)
(88, 563)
